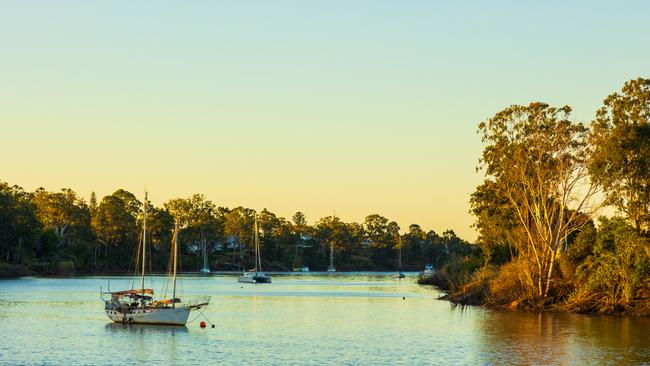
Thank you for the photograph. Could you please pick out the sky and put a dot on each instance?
(353, 107)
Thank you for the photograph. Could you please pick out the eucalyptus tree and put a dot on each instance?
(392, 234)
(299, 219)
(345, 238)
(203, 219)
(131, 203)
(66, 214)
(537, 157)
(412, 243)
(238, 225)
(160, 226)
(356, 235)
(327, 232)
(376, 229)
(20, 229)
(116, 229)
(92, 204)
(621, 140)
(275, 235)
(432, 248)
(299, 230)
(382, 236)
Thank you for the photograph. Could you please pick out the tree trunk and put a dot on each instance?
(549, 275)
(20, 246)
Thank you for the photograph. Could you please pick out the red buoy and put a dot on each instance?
(202, 324)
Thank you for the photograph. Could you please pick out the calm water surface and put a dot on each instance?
(343, 319)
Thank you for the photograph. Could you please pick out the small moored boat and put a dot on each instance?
(399, 274)
(255, 275)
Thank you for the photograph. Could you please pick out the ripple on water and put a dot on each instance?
(303, 320)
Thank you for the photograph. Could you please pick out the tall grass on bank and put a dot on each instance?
(603, 282)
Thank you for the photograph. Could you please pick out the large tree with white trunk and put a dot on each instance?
(537, 157)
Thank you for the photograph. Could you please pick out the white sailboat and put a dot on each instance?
(206, 268)
(137, 306)
(399, 274)
(428, 270)
(255, 275)
(331, 267)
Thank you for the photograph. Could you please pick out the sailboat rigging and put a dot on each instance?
(331, 267)
(137, 306)
(204, 249)
(255, 275)
(399, 259)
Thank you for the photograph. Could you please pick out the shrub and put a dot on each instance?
(616, 273)
(513, 284)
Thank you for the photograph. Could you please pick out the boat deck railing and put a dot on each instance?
(196, 302)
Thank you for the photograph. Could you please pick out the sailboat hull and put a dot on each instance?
(165, 316)
(254, 278)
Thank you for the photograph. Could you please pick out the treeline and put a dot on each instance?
(543, 245)
(59, 232)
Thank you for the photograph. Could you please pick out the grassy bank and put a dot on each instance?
(509, 286)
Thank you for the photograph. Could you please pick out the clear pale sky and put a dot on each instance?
(355, 106)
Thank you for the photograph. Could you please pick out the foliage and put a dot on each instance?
(543, 171)
(537, 158)
(496, 222)
(57, 232)
(20, 230)
(612, 275)
(621, 140)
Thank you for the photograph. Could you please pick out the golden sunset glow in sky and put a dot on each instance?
(359, 107)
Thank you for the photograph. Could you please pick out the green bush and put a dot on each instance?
(608, 280)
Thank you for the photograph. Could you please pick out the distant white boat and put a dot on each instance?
(206, 268)
(331, 267)
(137, 306)
(428, 270)
(399, 274)
(255, 275)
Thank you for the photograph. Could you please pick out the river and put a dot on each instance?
(303, 319)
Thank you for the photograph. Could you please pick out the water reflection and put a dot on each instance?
(560, 338)
(340, 319)
(144, 329)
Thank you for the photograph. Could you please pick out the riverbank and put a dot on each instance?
(219, 263)
(14, 271)
(21, 271)
(491, 291)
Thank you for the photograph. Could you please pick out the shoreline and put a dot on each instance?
(469, 295)
(29, 273)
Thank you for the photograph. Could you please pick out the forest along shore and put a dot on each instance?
(59, 233)
(543, 245)
(14, 271)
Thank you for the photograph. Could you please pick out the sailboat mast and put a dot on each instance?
(175, 249)
(205, 256)
(400, 254)
(258, 259)
(332, 242)
(144, 244)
